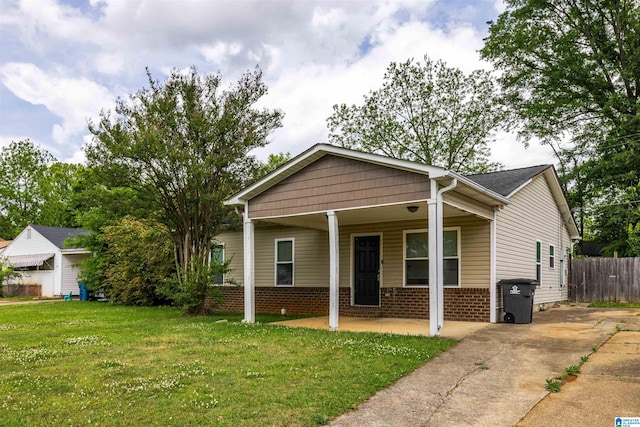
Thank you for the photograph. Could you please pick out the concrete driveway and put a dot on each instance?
(496, 376)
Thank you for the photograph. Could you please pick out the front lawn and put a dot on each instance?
(71, 363)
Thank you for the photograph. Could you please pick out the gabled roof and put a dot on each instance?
(57, 235)
(319, 150)
(494, 189)
(507, 182)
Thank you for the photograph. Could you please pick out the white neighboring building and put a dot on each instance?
(38, 253)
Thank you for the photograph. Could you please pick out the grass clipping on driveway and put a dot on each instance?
(100, 364)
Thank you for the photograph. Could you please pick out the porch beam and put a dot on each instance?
(249, 268)
(334, 270)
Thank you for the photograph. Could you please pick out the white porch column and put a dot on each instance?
(440, 260)
(249, 269)
(493, 295)
(434, 296)
(334, 270)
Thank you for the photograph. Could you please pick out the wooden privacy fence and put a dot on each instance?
(605, 279)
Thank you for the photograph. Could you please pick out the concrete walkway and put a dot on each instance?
(496, 376)
(451, 329)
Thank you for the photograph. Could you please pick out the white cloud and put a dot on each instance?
(513, 154)
(328, 19)
(109, 63)
(499, 6)
(221, 51)
(48, 18)
(308, 93)
(74, 100)
(314, 54)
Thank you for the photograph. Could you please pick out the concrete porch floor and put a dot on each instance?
(451, 329)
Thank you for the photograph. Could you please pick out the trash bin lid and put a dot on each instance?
(530, 282)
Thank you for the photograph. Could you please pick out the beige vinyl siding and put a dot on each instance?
(312, 252)
(311, 255)
(233, 251)
(475, 250)
(532, 216)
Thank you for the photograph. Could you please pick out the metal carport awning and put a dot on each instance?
(34, 260)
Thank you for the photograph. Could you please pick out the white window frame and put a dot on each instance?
(292, 262)
(426, 230)
(552, 257)
(224, 249)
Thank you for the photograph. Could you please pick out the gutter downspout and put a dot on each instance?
(440, 253)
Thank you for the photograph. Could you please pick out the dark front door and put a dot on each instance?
(366, 279)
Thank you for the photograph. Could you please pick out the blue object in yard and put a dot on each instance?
(84, 294)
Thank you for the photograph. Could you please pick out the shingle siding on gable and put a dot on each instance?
(533, 215)
(337, 183)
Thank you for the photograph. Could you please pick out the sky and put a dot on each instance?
(63, 61)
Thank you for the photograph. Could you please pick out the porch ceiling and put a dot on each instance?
(369, 215)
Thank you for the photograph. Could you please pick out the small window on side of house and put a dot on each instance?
(284, 268)
(217, 256)
(552, 257)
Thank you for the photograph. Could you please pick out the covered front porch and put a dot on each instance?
(369, 209)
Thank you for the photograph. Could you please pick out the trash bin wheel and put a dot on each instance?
(509, 318)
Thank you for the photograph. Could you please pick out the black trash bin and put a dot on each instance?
(517, 298)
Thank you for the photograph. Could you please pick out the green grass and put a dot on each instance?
(95, 363)
(606, 304)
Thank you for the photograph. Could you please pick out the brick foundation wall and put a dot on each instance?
(466, 304)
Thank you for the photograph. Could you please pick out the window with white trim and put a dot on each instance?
(217, 257)
(552, 257)
(284, 269)
(416, 257)
(538, 260)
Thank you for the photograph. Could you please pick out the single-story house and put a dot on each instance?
(344, 232)
(41, 257)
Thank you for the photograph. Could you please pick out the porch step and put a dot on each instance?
(355, 311)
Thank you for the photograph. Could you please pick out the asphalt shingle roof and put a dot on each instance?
(504, 182)
(57, 235)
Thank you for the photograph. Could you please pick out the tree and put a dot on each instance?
(570, 71)
(138, 260)
(182, 144)
(23, 166)
(274, 161)
(59, 183)
(427, 113)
